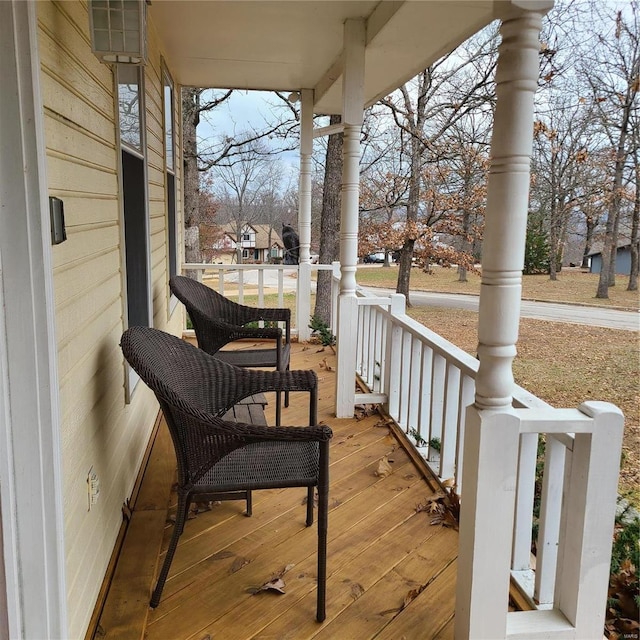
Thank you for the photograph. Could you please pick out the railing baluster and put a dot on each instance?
(437, 401)
(549, 521)
(426, 375)
(281, 291)
(415, 381)
(450, 427)
(405, 376)
(261, 287)
(525, 490)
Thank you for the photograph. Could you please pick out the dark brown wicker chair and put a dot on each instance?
(218, 321)
(221, 460)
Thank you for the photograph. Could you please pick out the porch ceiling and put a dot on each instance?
(292, 45)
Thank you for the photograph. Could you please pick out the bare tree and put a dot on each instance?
(635, 219)
(439, 97)
(224, 149)
(240, 186)
(613, 75)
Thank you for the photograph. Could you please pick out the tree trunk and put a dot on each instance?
(191, 116)
(635, 241)
(466, 228)
(610, 249)
(329, 222)
(406, 253)
(592, 223)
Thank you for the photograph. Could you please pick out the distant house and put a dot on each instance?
(257, 244)
(623, 259)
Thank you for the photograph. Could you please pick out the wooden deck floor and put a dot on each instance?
(380, 549)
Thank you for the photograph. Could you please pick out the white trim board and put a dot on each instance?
(30, 469)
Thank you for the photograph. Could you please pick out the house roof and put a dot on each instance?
(292, 45)
(596, 250)
(262, 235)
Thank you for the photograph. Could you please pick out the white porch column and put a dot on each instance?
(352, 116)
(491, 437)
(33, 600)
(304, 215)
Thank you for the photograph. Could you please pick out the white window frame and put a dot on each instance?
(132, 377)
(167, 81)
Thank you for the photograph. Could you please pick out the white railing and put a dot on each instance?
(426, 385)
(236, 280)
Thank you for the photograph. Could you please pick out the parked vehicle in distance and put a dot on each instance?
(376, 258)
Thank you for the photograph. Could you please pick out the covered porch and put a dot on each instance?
(486, 429)
(338, 57)
(392, 573)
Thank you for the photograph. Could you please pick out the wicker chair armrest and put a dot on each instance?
(256, 433)
(252, 381)
(265, 333)
(275, 314)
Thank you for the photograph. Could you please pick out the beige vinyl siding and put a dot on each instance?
(157, 187)
(99, 429)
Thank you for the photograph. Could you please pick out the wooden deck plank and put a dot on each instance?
(295, 548)
(383, 599)
(352, 579)
(160, 473)
(378, 547)
(367, 553)
(125, 612)
(433, 607)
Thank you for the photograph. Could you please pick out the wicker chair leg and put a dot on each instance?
(310, 492)
(249, 512)
(178, 528)
(323, 509)
(278, 408)
(286, 398)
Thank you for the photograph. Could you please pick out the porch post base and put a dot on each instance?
(486, 524)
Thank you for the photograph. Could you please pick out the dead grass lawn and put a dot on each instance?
(572, 285)
(564, 365)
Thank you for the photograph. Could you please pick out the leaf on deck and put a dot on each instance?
(384, 468)
(325, 365)
(276, 583)
(412, 595)
(444, 506)
(363, 411)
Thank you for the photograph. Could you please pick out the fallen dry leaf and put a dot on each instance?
(384, 468)
(276, 583)
(412, 595)
(325, 365)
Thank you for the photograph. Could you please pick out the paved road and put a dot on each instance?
(574, 314)
(555, 312)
